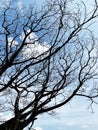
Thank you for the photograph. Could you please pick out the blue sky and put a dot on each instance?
(74, 116)
(29, 2)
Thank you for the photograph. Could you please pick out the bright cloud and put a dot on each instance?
(85, 126)
(34, 50)
(5, 117)
(31, 38)
(33, 47)
(38, 128)
(20, 6)
(70, 123)
(12, 42)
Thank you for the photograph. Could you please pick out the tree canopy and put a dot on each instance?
(48, 56)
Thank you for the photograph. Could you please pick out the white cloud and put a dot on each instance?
(70, 123)
(12, 42)
(33, 47)
(38, 128)
(34, 50)
(1, 114)
(31, 38)
(85, 126)
(61, 128)
(20, 6)
(5, 117)
(8, 116)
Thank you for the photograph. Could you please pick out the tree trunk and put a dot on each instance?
(12, 124)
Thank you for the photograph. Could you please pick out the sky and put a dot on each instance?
(74, 116)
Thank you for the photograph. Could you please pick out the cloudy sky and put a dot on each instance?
(74, 116)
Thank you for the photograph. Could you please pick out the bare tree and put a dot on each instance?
(47, 57)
